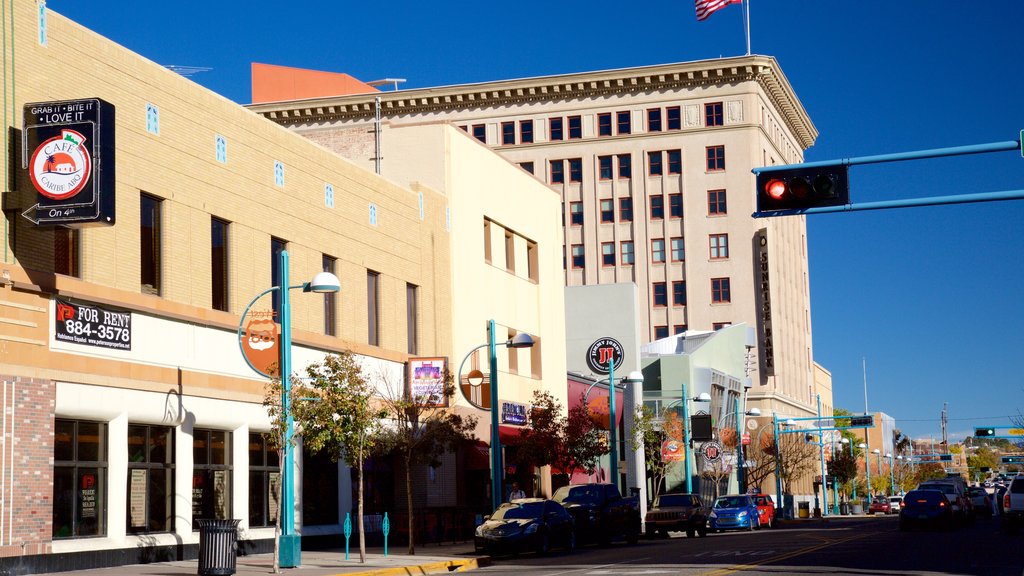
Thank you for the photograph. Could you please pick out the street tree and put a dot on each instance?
(420, 429)
(793, 458)
(760, 459)
(843, 467)
(338, 412)
(649, 433)
(569, 443)
(983, 457)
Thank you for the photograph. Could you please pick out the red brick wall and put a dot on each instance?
(26, 454)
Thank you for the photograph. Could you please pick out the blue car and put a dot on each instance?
(734, 512)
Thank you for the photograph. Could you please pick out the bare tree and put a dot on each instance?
(422, 429)
(793, 458)
(761, 457)
(649, 433)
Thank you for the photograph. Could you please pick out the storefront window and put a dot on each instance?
(264, 477)
(320, 477)
(79, 479)
(150, 478)
(211, 475)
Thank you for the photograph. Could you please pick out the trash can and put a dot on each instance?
(217, 542)
(844, 509)
(805, 509)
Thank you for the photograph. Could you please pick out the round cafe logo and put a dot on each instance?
(61, 166)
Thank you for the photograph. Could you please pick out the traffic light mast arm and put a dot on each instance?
(909, 203)
(900, 156)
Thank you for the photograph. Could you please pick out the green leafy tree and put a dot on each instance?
(570, 442)
(843, 467)
(421, 430)
(584, 442)
(338, 413)
(648, 436)
(983, 457)
(929, 471)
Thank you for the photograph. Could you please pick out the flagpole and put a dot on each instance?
(746, 27)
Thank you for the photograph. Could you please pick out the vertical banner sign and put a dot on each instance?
(426, 381)
(764, 290)
(68, 150)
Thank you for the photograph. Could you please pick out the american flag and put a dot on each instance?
(706, 7)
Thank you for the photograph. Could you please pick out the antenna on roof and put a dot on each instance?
(186, 71)
(393, 81)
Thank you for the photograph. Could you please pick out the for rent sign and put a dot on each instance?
(92, 326)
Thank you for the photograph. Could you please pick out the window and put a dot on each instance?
(508, 133)
(716, 202)
(657, 207)
(719, 246)
(658, 250)
(510, 252)
(654, 163)
(276, 247)
(150, 478)
(607, 210)
(654, 120)
(625, 166)
(719, 325)
(219, 263)
(720, 290)
(372, 307)
(675, 161)
(625, 209)
(264, 476)
(626, 252)
(575, 170)
(79, 479)
(211, 475)
(330, 264)
(528, 166)
(555, 129)
(65, 250)
(526, 132)
(320, 477)
(532, 270)
(480, 132)
(578, 258)
(678, 328)
(673, 118)
(149, 236)
(713, 114)
(604, 124)
(412, 318)
(622, 120)
(660, 332)
(557, 171)
(608, 253)
(660, 294)
(716, 158)
(679, 293)
(675, 205)
(487, 240)
(576, 213)
(678, 251)
(604, 167)
(575, 128)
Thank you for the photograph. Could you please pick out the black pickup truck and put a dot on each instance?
(601, 512)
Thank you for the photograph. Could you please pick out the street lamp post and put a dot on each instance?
(903, 471)
(741, 476)
(778, 457)
(892, 476)
(824, 471)
(853, 491)
(867, 468)
(520, 340)
(613, 439)
(702, 397)
(878, 458)
(289, 542)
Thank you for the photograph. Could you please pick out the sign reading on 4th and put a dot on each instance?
(68, 150)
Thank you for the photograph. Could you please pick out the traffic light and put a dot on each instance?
(984, 432)
(1012, 460)
(802, 188)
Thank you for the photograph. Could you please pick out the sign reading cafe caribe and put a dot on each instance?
(68, 151)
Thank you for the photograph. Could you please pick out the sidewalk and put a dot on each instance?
(429, 559)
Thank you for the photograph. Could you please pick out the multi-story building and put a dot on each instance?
(128, 410)
(653, 168)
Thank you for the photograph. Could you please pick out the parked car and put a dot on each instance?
(955, 493)
(879, 505)
(677, 512)
(1013, 504)
(526, 524)
(980, 501)
(601, 512)
(895, 502)
(765, 510)
(926, 508)
(733, 512)
(997, 498)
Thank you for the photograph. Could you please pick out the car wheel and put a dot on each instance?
(703, 531)
(691, 533)
(771, 522)
(543, 544)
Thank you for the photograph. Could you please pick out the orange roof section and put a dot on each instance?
(272, 83)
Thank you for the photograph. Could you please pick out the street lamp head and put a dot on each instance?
(862, 445)
(703, 397)
(323, 283)
(876, 451)
(900, 457)
(790, 422)
(754, 412)
(520, 340)
(888, 454)
(844, 440)
(635, 376)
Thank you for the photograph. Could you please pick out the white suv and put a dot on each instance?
(1013, 504)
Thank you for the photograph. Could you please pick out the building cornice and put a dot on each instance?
(577, 86)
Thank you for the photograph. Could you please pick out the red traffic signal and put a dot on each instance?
(798, 189)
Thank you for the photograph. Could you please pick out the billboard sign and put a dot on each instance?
(92, 325)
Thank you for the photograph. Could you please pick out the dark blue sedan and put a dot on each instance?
(925, 509)
(526, 524)
(733, 512)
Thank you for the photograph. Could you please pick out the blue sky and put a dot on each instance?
(930, 298)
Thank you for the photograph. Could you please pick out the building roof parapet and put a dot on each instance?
(761, 69)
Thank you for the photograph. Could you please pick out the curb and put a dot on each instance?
(444, 566)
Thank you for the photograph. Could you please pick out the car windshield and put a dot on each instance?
(732, 502)
(944, 488)
(577, 494)
(923, 497)
(762, 501)
(675, 500)
(525, 511)
(1017, 487)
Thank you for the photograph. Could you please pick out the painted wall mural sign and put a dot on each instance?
(68, 151)
(601, 352)
(92, 325)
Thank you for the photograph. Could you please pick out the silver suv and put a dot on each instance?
(1013, 504)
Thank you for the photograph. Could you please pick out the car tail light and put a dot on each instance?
(941, 504)
(1006, 500)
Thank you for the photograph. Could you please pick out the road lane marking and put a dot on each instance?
(784, 556)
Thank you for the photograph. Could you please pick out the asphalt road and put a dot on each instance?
(864, 546)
